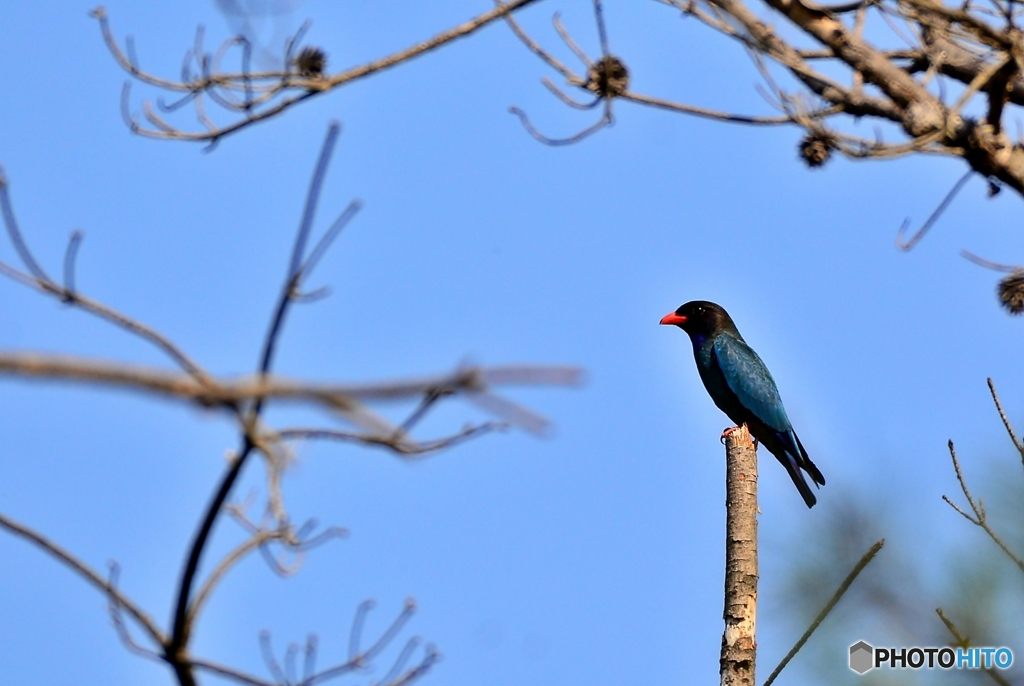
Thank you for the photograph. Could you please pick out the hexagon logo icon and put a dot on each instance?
(861, 657)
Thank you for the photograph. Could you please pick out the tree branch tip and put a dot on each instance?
(987, 264)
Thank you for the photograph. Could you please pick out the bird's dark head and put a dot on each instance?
(700, 319)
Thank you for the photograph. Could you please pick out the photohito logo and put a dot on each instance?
(864, 657)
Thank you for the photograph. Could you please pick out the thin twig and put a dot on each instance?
(355, 636)
(556, 20)
(980, 517)
(7, 209)
(292, 282)
(325, 242)
(229, 673)
(38, 279)
(74, 243)
(269, 659)
(558, 93)
(362, 658)
(269, 84)
(534, 47)
(840, 592)
(224, 566)
(907, 246)
(1006, 420)
(602, 32)
(964, 642)
(715, 114)
(398, 444)
(988, 264)
(604, 121)
(87, 573)
(120, 626)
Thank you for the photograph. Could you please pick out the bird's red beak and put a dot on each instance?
(673, 318)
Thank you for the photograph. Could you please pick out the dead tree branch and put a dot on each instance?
(245, 400)
(107, 587)
(839, 74)
(250, 96)
(836, 597)
(1006, 420)
(963, 641)
(345, 400)
(36, 277)
(739, 641)
(980, 518)
(607, 78)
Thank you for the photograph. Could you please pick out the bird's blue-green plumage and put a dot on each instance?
(750, 380)
(741, 386)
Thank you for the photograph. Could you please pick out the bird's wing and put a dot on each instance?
(749, 379)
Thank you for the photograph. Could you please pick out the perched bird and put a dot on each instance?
(741, 386)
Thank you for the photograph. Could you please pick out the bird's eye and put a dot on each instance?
(699, 310)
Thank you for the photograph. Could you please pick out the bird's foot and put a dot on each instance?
(727, 432)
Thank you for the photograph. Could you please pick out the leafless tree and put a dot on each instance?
(933, 78)
(282, 542)
(246, 96)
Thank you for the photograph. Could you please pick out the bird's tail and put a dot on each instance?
(798, 479)
(794, 458)
(806, 464)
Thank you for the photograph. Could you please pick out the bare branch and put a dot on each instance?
(38, 279)
(359, 658)
(605, 120)
(607, 78)
(224, 566)
(964, 642)
(259, 91)
(231, 673)
(267, 650)
(117, 617)
(74, 243)
(398, 444)
(1006, 420)
(714, 114)
(907, 246)
(570, 76)
(739, 643)
(346, 399)
(107, 587)
(979, 519)
(567, 39)
(840, 592)
(988, 264)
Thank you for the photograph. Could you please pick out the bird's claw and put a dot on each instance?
(727, 432)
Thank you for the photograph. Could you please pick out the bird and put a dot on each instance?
(742, 387)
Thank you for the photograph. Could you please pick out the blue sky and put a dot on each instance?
(593, 556)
